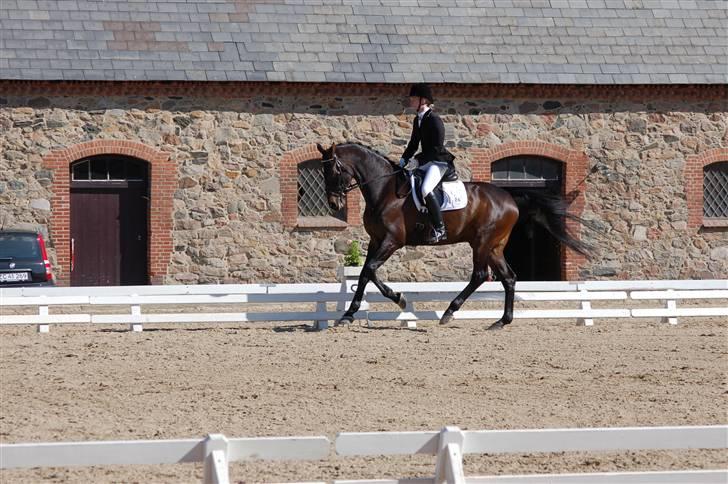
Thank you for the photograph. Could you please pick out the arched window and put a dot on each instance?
(312, 201)
(526, 171)
(715, 191)
(109, 169)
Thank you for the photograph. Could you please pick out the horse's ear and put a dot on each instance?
(333, 149)
(321, 149)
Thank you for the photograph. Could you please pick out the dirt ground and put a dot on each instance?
(81, 383)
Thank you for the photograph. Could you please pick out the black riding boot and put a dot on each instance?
(438, 227)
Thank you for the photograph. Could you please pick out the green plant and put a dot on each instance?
(353, 255)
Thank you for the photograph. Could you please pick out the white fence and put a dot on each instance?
(449, 445)
(575, 300)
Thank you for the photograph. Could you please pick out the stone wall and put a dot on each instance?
(227, 208)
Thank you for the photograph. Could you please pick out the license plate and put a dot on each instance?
(14, 276)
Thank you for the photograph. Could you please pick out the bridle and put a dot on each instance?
(343, 188)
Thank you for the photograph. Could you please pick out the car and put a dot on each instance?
(23, 259)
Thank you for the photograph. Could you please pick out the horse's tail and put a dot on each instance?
(551, 211)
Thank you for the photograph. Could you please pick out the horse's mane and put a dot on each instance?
(368, 148)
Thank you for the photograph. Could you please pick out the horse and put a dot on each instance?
(391, 221)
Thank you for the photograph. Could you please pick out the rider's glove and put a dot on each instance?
(402, 162)
(411, 165)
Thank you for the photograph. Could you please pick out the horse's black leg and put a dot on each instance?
(387, 291)
(377, 254)
(479, 275)
(508, 279)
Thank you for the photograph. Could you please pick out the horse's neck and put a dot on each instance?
(374, 177)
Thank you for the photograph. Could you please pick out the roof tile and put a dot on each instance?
(535, 41)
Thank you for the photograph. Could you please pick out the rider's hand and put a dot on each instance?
(402, 162)
(411, 165)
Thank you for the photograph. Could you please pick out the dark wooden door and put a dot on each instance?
(109, 234)
(532, 252)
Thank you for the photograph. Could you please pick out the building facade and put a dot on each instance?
(204, 171)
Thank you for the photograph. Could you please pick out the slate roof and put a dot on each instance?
(380, 41)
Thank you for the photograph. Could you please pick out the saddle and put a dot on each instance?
(449, 193)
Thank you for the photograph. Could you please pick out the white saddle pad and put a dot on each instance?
(454, 196)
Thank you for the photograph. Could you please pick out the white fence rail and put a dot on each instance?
(216, 451)
(575, 297)
(449, 445)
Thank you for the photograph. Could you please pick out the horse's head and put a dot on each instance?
(337, 177)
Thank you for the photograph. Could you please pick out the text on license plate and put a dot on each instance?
(14, 276)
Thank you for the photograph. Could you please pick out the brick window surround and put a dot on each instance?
(693, 176)
(163, 181)
(289, 194)
(575, 162)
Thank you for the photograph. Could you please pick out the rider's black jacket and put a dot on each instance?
(431, 134)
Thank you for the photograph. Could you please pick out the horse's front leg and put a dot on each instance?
(377, 254)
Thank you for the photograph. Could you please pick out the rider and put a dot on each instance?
(429, 131)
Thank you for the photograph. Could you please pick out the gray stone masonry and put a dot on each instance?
(227, 208)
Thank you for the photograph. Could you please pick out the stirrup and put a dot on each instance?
(437, 236)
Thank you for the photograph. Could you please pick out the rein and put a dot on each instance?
(343, 190)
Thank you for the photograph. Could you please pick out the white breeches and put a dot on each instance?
(434, 171)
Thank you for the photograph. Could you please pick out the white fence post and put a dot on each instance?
(449, 467)
(43, 311)
(410, 324)
(585, 306)
(136, 310)
(671, 304)
(322, 324)
(216, 461)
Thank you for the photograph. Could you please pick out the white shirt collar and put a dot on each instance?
(421, 114)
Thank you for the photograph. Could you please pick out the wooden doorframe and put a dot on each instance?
(162, 184)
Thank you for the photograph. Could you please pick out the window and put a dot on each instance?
(715, 191)
(522, 171)
(312, 202)
(106, 168)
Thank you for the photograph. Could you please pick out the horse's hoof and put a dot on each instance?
(345, 320)
(446, 318)
(402, 303)
(497, 325)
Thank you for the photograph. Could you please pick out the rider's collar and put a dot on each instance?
(421, 114)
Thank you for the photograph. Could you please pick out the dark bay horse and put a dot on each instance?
(391, 222)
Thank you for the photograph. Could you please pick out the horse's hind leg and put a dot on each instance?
(377, 254)
(508, 278)
(478, 277)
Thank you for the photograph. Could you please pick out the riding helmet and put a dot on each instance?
(421, 90)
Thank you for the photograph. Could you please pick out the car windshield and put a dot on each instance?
(19, 246)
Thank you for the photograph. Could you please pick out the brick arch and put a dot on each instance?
(693, 176)
(575, 163)
(163, 177)
(289, 187)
